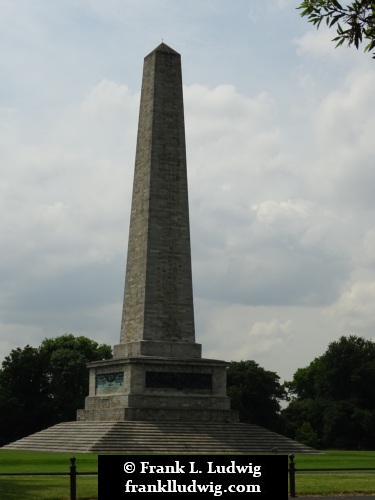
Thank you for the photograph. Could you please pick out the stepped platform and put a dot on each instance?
(157, 437)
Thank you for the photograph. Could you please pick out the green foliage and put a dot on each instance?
(67, 373)
(307, 435)
(42, 386)
(357, 20)
(24, 397)
(335, 395)
(256, 394)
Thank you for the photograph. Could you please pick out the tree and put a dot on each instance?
(67, 373)
(307, 435)
(42, 386)
(24, 400)
(256, 394)
(354, 21)
(335, 395)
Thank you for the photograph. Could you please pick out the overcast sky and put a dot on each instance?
(280, 147)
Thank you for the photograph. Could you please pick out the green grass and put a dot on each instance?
(39, 461)
(57, 487)
(327, 483)
(45, 487)
(336, 459)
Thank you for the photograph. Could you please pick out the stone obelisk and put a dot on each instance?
(158, 313)
(157, 372)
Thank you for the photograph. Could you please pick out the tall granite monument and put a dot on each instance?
(157, 373)
(157, 394)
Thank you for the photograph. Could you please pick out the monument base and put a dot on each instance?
(173, 349)
(158, 389)
(158, 437)
(159, 415)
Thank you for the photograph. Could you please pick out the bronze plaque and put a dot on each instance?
(106, 380)
(179, 380)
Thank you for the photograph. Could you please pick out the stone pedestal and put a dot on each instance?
(158, 389)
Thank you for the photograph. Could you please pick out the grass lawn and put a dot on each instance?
(57, 487)
(324, 483)
(45, 487)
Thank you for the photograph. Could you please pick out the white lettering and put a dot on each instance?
(162, 469)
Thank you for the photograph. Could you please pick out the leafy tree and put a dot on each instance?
(67, 373)
(302, 412)
(24, 400)
(307, 435)
(335, 395)
(256, 394)
(354, 21)
(42, 386)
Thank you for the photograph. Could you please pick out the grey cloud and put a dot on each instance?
(274, 277)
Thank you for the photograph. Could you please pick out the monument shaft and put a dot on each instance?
(158, 299)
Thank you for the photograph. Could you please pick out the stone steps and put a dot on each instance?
(158, 437)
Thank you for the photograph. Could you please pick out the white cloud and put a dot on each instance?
(252, 16)
(340, 169)
(318, 44)
(279, 338)
(63, 206)
(283, 4)
(269, 336)
(344, 116)
(354, 309)
(367, 250)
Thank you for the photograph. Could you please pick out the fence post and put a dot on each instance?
(292, 476)
(73, 479)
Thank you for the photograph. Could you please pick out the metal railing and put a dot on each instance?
(73, 474)
(292, 472)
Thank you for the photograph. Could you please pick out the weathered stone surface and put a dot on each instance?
(158, 437)
(158, 348)
(155, 388)
(158, 299)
